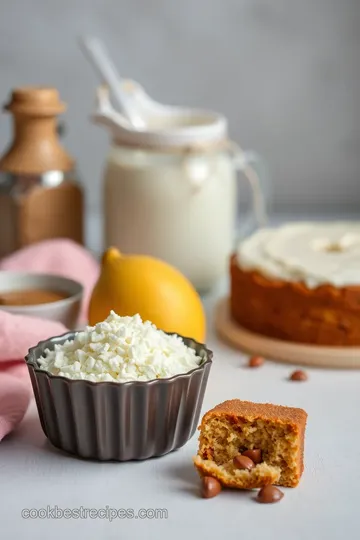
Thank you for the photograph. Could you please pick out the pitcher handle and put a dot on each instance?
(255, 169)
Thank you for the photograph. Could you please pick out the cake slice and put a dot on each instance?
(235, 427)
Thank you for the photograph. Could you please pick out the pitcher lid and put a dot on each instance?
(167, 126)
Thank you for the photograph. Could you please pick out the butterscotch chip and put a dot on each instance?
(243, 462)
(269, 494)
(210, 487)
(299, 375)
(256, 361)
(235, 427)
(254, 455)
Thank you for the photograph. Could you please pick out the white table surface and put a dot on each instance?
(325, 506)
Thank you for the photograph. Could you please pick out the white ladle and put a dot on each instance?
(139, 109)
(96, 53)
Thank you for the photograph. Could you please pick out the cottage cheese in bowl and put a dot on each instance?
(120, 349)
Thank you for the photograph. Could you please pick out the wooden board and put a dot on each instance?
(282, 351)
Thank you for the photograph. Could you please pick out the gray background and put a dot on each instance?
(286, 73)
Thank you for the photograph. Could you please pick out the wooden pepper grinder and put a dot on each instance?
(40, 196)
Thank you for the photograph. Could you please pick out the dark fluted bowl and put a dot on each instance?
(118, 421)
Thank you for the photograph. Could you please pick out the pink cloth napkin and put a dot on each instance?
(18, 333)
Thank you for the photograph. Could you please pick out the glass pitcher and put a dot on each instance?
(171, 191)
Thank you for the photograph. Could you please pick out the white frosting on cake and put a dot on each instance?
(312, 253)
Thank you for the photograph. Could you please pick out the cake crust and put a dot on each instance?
(290, 311)
(265, 411)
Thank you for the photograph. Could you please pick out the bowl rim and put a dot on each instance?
(41, 275)
(31, 362)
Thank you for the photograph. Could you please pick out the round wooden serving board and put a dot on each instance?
(282, 351)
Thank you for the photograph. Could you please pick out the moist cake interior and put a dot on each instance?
(223, 437)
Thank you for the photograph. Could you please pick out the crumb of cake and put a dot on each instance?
(274, 432)
(230, 476)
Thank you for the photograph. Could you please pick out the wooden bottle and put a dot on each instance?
(40, 197)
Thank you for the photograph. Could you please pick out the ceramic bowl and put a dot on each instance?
(118, 421)
(65, 311)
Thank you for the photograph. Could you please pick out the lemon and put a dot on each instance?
(130, 284)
